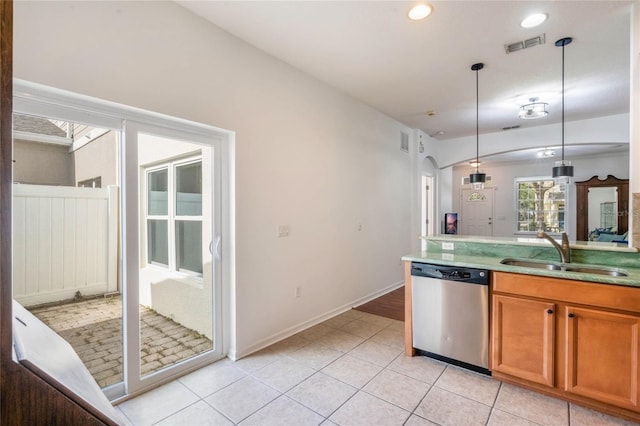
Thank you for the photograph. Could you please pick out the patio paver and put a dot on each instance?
(94, 329)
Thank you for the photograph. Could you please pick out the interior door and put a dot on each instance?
(476, 216)
(173, 234)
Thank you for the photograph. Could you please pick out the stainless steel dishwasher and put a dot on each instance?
(450, 314)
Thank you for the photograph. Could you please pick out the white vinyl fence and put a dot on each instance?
(65, 240)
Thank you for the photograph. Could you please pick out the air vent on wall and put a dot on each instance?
(404, 141)
(524, 44)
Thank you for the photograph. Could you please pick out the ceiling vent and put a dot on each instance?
(517, 126)
(524, 44)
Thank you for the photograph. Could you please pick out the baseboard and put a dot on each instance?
(275, 338)
(377, 294)
(53, 296)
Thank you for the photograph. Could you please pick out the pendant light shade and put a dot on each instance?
(563, 171)
(477, 179)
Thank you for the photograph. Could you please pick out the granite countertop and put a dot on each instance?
(487, 253)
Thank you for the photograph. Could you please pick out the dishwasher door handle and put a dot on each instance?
(429, 273)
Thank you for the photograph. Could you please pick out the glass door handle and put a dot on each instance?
(215, 249)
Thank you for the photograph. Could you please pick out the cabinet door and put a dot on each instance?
(602, 356)
(522, 338)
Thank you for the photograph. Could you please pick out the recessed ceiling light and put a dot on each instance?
(420, 11)
(533, 20)
(546, 153)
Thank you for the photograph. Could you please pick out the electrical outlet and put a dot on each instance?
(447, 246)
(298, 292)
(447, 256)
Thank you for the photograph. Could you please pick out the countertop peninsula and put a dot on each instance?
(488, 252)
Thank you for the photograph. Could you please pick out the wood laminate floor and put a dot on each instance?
(390, 305)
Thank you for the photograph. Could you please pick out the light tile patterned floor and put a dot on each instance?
(349, 370)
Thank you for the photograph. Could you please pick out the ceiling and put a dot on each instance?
(406, 69)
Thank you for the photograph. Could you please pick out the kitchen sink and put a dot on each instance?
(532, 264)
(596, 270)
(550, 266)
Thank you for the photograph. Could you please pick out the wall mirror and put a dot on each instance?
(602, 209)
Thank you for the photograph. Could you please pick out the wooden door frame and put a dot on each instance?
(582, 203)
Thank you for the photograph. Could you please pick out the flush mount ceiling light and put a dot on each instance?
(533, 20)
(477, 179)
(533, 109)
(474, 164)
(420, 11)
(563, 170)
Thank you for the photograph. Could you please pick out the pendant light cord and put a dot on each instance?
(563, 104)
(477, 125)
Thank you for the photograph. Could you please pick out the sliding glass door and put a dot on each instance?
(175, 208)
(120, 217)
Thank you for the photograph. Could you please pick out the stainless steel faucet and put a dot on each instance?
(564, 250)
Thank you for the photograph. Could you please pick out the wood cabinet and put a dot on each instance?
(523, 331)
(602, 355)
(572, 339)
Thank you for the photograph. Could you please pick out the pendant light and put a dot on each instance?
(477, 179)
(563, 170)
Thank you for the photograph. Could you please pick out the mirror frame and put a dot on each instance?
(582, 203)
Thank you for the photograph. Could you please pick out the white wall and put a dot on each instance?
(610, 129)
(503, 175)
(634, 126)
(305, 155)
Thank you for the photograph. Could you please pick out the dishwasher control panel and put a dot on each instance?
(451, 273)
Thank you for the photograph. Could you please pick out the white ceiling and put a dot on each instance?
(372, 51)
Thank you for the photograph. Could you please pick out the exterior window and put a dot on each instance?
(540, 205)
(91, 183)
(174, 229)
(189, 217)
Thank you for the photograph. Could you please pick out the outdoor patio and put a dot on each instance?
(94, 328)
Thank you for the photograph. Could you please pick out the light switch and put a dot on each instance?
(284, 230)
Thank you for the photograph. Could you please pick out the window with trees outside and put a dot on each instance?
(540, 205)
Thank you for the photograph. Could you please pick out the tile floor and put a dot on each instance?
(349, 370)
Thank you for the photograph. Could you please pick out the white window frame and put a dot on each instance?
(171, 217)
(567, 195)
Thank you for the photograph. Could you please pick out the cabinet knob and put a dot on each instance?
(549, 311)
(571, 315)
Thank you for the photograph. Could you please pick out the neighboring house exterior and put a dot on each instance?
(46, 153)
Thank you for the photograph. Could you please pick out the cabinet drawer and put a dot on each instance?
(563, 290)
